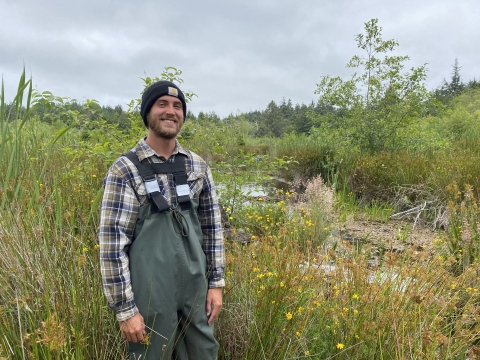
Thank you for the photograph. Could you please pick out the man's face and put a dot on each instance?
(165, 118)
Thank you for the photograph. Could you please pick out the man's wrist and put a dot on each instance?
(123, 315)
(220, 283)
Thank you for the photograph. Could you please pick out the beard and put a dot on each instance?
(164, 132)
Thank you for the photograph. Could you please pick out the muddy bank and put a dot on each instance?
(394, 234)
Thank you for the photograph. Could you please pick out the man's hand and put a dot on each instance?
(213, 304)
(133, 328)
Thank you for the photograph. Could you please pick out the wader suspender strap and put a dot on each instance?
(148, 170)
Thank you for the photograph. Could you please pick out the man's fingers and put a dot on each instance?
(135, 337)
(212, 317)
(140, 336)
(209, 311)
(210, 308)
(214, 314)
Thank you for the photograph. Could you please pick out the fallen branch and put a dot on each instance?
(417, 209)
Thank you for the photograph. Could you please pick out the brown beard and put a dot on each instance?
(155, 125)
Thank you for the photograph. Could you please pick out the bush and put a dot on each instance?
(406, 179)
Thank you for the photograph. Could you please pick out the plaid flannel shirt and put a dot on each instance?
(124, 193)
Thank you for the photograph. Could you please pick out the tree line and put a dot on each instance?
(274, 121)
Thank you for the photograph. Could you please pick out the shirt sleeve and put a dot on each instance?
(117, 221)
(211, 223)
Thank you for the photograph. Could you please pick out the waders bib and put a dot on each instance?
(168, 271)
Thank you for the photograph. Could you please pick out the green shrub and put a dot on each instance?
(406, 179)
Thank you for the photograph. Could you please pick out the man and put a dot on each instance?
(161, 242)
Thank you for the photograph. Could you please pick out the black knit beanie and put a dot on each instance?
(154, 91)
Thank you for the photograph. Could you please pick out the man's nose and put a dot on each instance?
(171, 109)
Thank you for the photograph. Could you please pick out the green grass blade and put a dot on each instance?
(58, 206)
(19, 98)
(2, 111)
(50, 147)
(10, 167)
(3, 122)
(29, 96)
(94, 208)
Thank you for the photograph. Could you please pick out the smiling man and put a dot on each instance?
(161, 242)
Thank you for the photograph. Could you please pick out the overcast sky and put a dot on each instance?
(235, 55)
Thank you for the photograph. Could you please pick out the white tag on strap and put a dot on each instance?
(183, 190)
(152, 186)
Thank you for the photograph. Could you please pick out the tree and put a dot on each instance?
(272, 123)
(473, 84)
(301, 121)
(448, 90)
(456, 85)
(377, 102)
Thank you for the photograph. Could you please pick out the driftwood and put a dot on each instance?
(417, 209)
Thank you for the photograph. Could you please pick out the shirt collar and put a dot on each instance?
(144, 151)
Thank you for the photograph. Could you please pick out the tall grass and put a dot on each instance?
(11, 146)
(316, 154)
(51, 302)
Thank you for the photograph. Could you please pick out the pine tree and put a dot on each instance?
(272, 122)
(456, 86)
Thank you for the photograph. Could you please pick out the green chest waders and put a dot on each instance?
(168, 271)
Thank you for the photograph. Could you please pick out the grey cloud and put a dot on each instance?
(235, 55)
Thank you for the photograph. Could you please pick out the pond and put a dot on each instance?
(267, 189)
